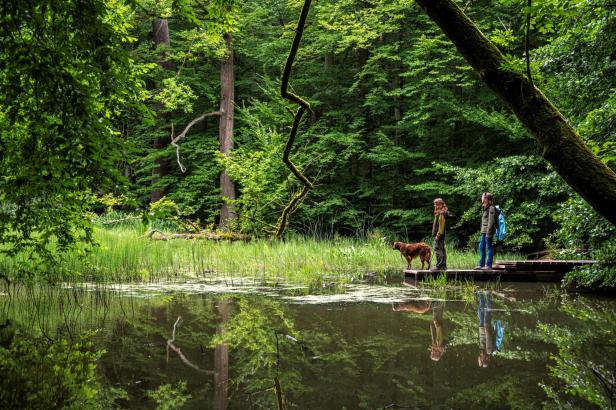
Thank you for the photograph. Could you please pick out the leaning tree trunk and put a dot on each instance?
(560, 144)
(225, 131)
(160, 28)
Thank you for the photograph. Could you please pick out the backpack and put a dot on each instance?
(501, 225)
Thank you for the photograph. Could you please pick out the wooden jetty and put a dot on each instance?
(539, 270)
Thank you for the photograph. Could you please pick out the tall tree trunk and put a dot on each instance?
(221, 362)
(160, 29)
(225, 130)
(560, 144)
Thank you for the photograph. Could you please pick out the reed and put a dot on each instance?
(124, 254)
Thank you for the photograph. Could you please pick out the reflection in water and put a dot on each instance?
(437, 329)
(233, 351)
(490, 332)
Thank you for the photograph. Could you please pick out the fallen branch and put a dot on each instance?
(175, 139)
(157, 235)
(151, 232)
(128, 218)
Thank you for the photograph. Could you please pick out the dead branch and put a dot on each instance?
(128, 218)
(171, 345)
(304, 106)
(213, 236)
(175, 139)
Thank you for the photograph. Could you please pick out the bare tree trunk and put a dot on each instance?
(160, 29)
(221, 363)
(559, 143)
(225, 131)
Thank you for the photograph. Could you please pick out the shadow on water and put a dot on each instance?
(242, 344)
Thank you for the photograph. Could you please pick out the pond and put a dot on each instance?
(236, 344)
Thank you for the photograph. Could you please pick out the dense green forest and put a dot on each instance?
(290, 146)
(93, 94)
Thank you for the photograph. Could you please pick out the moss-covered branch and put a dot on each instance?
(304, 106)
(560, 144)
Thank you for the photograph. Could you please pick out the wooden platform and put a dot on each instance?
(521, 271)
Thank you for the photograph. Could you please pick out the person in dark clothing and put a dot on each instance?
(488, 227)
(438, 232)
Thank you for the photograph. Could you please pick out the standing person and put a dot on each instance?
(488, 227)
(438, 232)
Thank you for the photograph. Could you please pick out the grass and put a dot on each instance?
(124, 254)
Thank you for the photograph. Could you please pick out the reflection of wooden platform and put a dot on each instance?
(525, 271)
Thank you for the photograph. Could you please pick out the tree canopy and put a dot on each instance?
(397, 116)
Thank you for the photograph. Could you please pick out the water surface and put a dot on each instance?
(364, 346)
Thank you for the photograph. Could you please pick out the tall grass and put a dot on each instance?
(124, 254)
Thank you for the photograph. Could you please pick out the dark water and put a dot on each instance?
(530, 346)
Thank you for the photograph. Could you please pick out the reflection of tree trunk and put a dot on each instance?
(225, 130)
(559, 143)
(160, 29)
(221, 362)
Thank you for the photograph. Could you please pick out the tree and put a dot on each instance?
(225, 133)
(560, 144)
(160, 31)
(65, 82)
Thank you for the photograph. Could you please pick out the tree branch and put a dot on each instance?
(304, 106)
(171, 345)
(175, 139)
(560, 144)
(527, 43)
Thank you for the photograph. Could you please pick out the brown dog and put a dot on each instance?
(413, 250)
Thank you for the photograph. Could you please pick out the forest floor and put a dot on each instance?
(128, 255)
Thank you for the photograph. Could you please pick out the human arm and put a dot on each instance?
(491, 221)
(441, 226)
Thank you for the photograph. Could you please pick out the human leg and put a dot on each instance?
(482, 250)
(490, 246)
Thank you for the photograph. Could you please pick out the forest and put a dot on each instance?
(154, 143)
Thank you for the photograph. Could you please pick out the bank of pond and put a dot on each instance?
(244, 343)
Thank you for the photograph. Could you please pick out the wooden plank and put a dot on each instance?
(486, 275)
(539, 262)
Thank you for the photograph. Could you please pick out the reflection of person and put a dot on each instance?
(490, 333)
(437, 330)
(438, 232)
(488, 227)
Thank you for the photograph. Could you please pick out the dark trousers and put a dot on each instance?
(441, 255)
(484, 243)
(484, 309)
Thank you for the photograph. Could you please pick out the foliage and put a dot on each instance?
(398, 117)
(170, 397)
(575, 363)
(66, 82)
(601, 275)
(579, 225)
(524, 188)
(44, 374)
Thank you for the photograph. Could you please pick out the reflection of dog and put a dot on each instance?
(413, 250)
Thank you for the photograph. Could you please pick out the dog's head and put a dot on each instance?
(397, 245)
